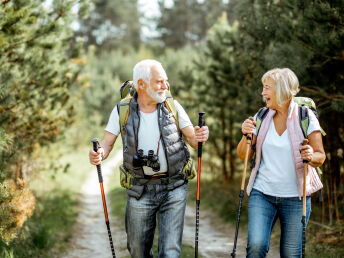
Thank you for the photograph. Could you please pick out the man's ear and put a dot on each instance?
(141, 84)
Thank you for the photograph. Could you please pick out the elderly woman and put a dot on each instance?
(276, 181)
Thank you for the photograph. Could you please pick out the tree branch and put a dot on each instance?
(336, 97)
(315, 51)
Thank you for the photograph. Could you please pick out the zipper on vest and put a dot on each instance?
(125, 139)
(136, 132)
(162, 139)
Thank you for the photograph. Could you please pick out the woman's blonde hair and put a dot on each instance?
(286, 83)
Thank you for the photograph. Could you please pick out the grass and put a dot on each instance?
(118, 198)
(56, 188)
(324, 241)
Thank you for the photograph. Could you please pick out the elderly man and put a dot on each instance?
(158, 187)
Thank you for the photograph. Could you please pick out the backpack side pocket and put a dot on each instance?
(189, 170)
(125, 177)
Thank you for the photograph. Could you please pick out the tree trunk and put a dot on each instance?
(336, 202)
(329, 203)
(224, 156)
(225, 172)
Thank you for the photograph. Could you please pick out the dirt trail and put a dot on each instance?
(90, 234)
(216, 239)
(90, 238)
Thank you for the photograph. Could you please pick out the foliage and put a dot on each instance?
(16, 206)
(48, 231)
(187, 21)
(112, 24)
(42, 231)
(175, 62)
(39, 64)
(105, 74)
(217, 77)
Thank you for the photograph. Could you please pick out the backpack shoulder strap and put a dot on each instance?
(123, 112)
(171, 107)
(304, 120)
(260, 117)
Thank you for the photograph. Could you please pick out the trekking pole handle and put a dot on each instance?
(200, 124)
(249, 136)
(305, 142)
(96, 146)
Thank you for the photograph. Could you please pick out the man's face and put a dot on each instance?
(158, 84)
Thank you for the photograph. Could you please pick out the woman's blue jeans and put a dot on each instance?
(263, 211)
(157, 204)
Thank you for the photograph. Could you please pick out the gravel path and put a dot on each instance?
(90, 234)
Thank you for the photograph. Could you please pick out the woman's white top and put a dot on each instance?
(276, 174)
(149, 133)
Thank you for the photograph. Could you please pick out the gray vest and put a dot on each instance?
(175, 149)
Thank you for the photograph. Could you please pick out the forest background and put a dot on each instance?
(62, 64)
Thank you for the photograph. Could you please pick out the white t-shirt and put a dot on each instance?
(276, 176)
(149, 134)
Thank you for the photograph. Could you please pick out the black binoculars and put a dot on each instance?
(140, 160)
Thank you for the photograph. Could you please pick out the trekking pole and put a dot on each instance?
(100, 178)
(200, 124)
(242, 190)
(305, 167)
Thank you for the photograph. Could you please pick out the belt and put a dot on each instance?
(156, 176)
(162, 180)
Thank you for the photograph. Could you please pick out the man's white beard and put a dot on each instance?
(155, 94)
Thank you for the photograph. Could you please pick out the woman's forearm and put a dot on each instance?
(317, 159)
(241, 149)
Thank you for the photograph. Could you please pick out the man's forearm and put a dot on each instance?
(194, 143)
(107, 149)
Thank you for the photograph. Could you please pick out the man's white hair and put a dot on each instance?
(286, 83)
(142, 70)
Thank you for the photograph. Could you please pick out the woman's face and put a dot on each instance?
(269, 93)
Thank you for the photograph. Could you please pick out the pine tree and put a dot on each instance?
(39, 63)
(217, 79)
(187, 21)
(112, 25)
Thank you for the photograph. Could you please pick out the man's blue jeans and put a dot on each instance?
(157, 204)
(263, 211)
